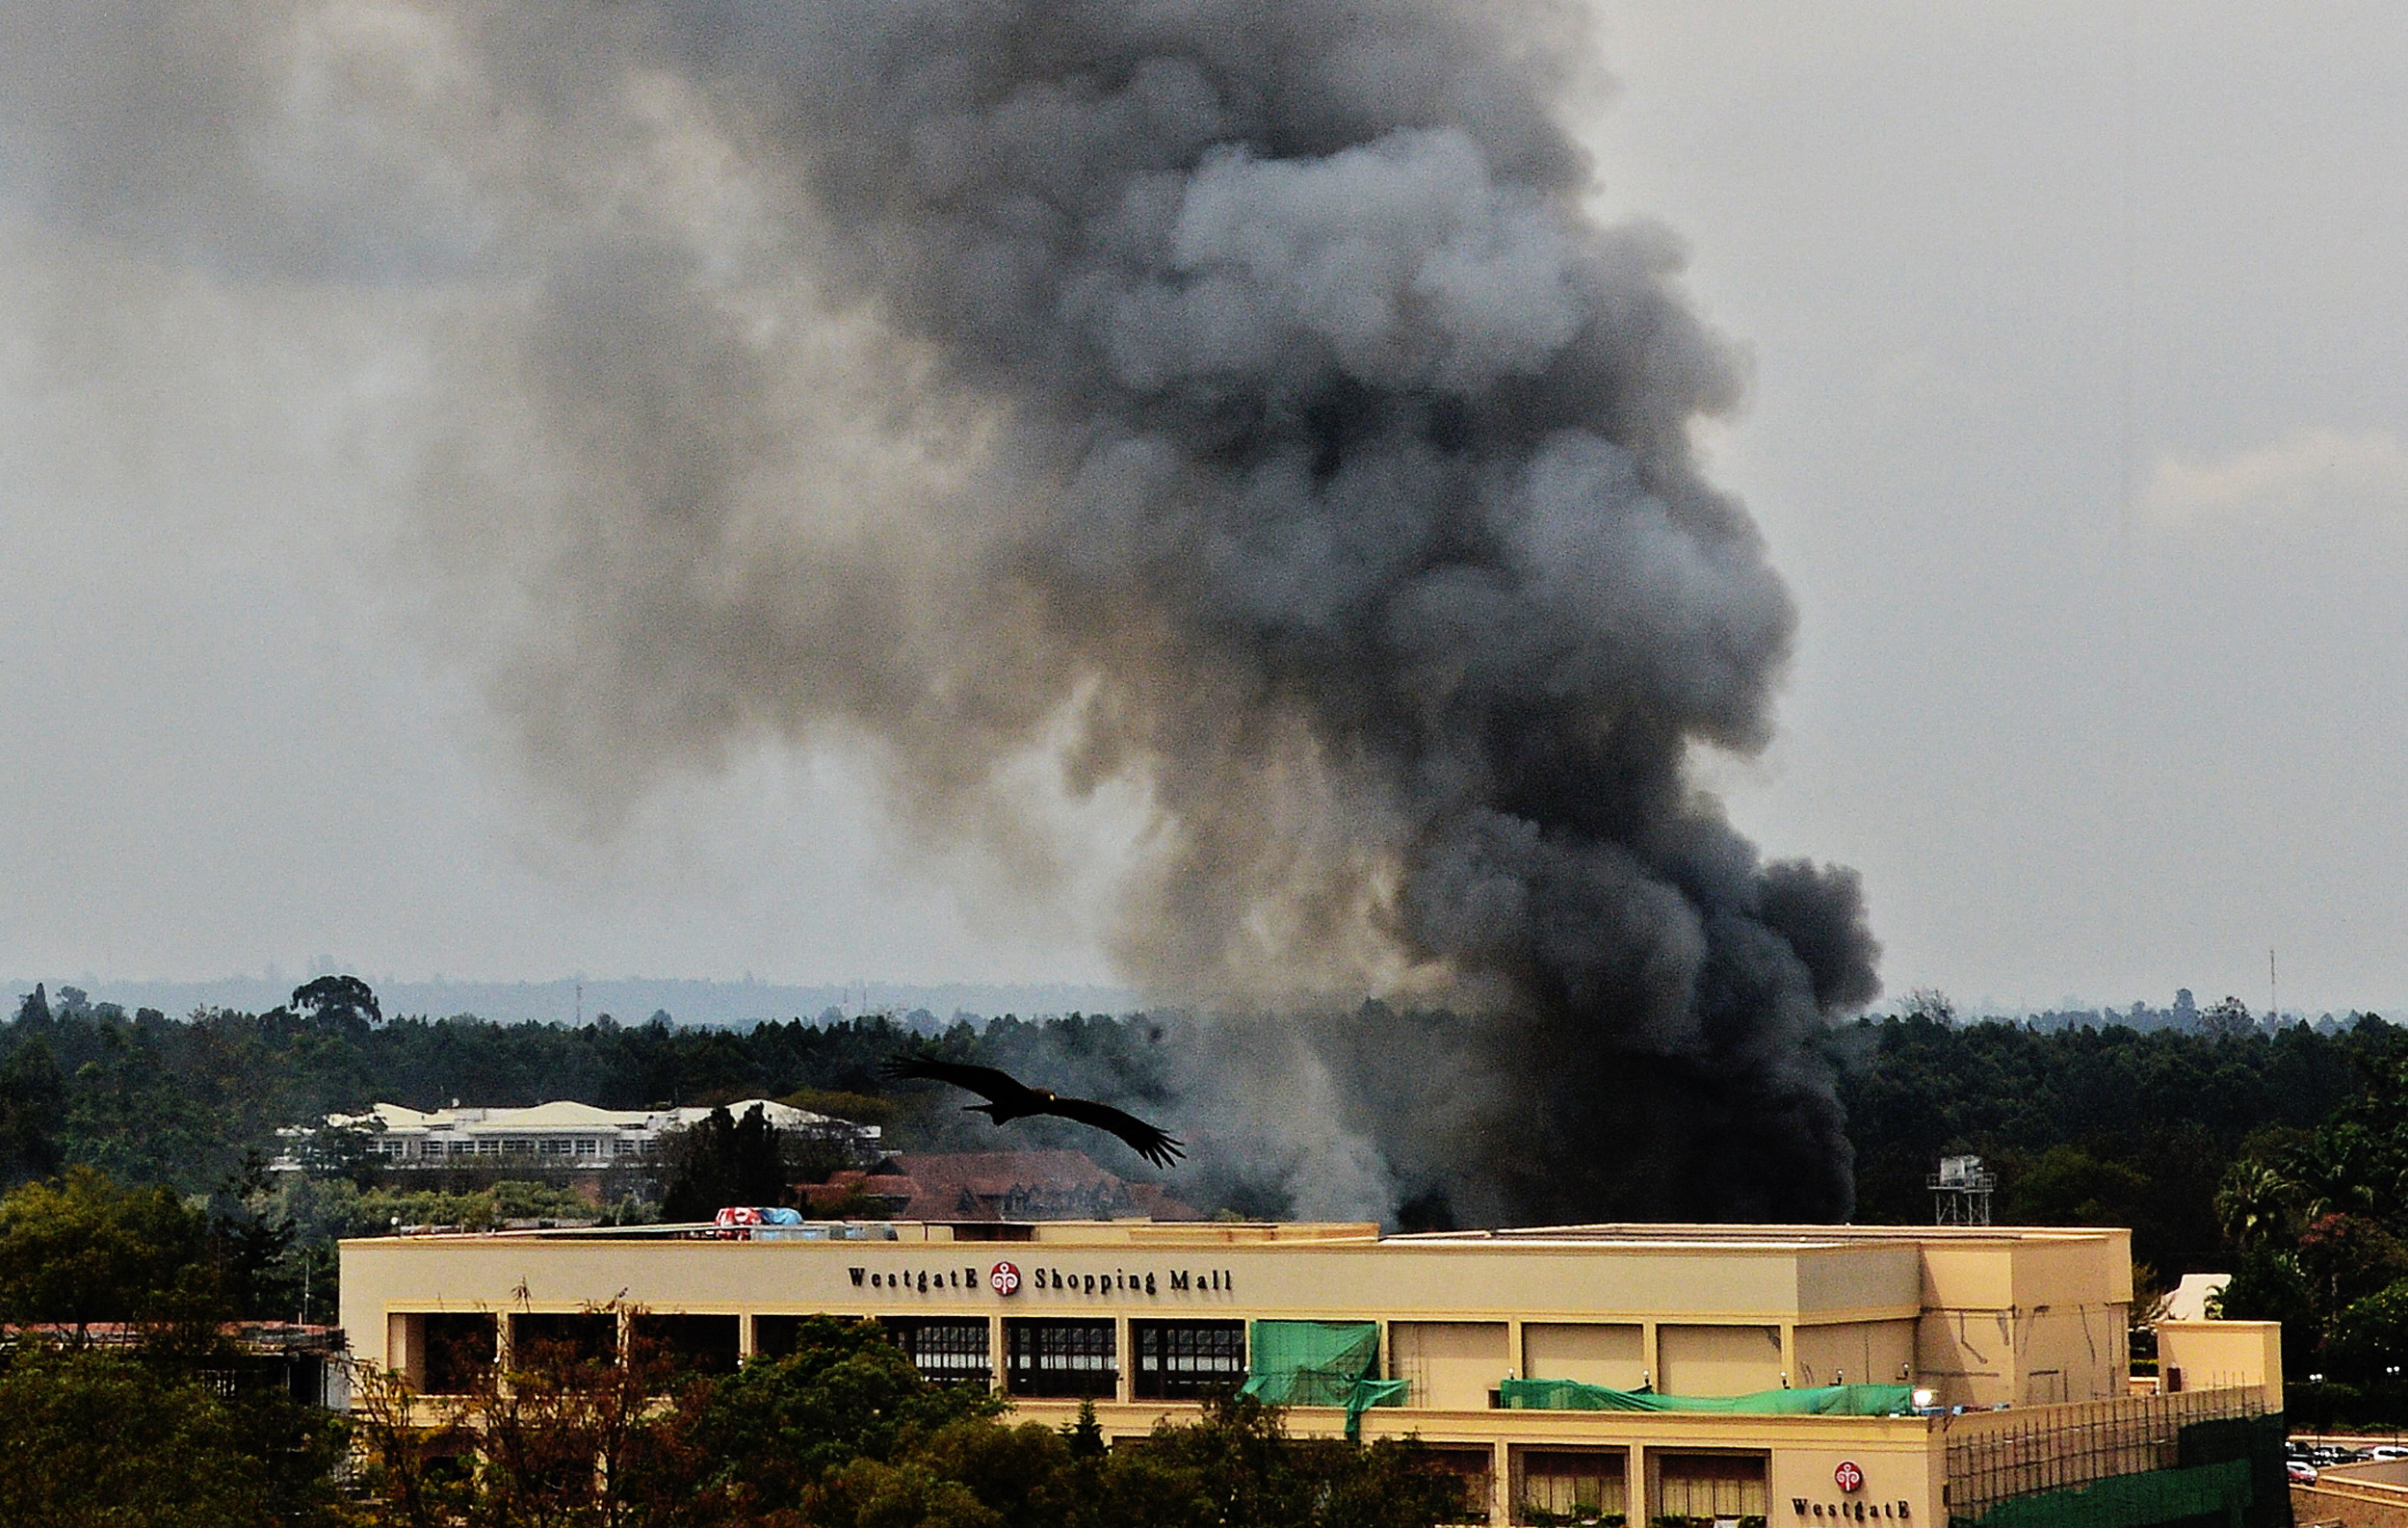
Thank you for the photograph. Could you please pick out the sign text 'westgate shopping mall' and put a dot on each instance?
(1006, 1278)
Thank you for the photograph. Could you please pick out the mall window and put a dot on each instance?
(689, 1344)
(1569, 1486)
(547, 1338)
(782, 1336)
(1060, 1358)
(454, 1351)
(1711, 1485)
(1474, 1467)
(945, 1351)
(1179, 1361)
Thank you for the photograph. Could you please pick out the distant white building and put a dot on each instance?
(546, 1136)
(2190, 1300)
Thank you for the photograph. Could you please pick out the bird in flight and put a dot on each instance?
(1010, 1098)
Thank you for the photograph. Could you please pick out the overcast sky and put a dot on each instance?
(2079, 425)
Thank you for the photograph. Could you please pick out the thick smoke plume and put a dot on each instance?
(1225, 404)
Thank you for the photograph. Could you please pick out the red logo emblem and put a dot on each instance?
(1007, 1281)
(1848, 1477)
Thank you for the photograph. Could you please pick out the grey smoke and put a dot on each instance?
(1230, 401)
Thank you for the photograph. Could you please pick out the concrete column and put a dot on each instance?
(1651, 1366)
(1125, 1359)
(1501, 1472)
(747, 1338)
(995, 1352)
(1789, 1353)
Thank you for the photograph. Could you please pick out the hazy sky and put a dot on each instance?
(2079, 426)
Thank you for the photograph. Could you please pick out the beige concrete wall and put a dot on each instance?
(1904, 1470)
(1846, 1295)
(1865, 1352)
(1593, 1352)
(1452, 1364)
(1755, 1286)
(1717, 1361)
(2024, 1317)
(2215, 1353)
(2072, 1353)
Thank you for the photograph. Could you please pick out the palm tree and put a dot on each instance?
(2253, 1203)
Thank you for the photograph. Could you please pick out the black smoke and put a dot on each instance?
(1231, 402)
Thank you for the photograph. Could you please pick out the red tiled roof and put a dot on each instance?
(1000, 1185)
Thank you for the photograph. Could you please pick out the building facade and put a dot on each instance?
(547, 1135)
(1998, 1354)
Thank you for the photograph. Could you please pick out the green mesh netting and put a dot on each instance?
(1829, 1400)
(1320, 1363)
(2216, 1492)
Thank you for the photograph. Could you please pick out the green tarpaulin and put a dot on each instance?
(1320, 1363)
(2211, 1493)
(1829, 1400)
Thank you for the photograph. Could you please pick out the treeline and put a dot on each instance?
(2097, 1125)
(184, 1102)
(2087, 1124)
(128, 1403)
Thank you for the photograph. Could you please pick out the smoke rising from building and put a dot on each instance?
(1223, 404)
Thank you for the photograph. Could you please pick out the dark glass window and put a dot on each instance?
(543, 1337)
(1178, 1360)
(692, 1344)
(459, 1352)
(1060, 1358)
(778, 1337)
(947, 1352)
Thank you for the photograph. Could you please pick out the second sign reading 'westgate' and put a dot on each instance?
(1004, 1279)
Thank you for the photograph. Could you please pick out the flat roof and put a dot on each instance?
(1634, 1236)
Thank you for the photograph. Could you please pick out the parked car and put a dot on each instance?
(2302, 1473)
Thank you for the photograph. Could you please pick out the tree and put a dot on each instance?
(2268, 1286)
(83, 1251)
(338, 1005)
(32, 1096)
(844, 1392)
(2228, 1019)
(722, 1161)
(2253, 1204)
(98, 1439)
(1932, 1004)
(2370, 1336)
(33, 1010)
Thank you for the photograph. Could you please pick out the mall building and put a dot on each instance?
(1784, 1374)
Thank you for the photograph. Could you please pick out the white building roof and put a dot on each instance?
(565, 1114)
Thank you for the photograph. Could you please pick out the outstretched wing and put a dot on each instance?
(994, 1084)
(1149, 1141)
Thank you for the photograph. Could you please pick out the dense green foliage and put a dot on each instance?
(845, 1433)
(2090, 1125)
(150, 1099)
(2217, 1140)
(133, 1440)
(159, 1419)
(125, 1403)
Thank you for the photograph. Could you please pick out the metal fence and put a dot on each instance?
(1998, 1456)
